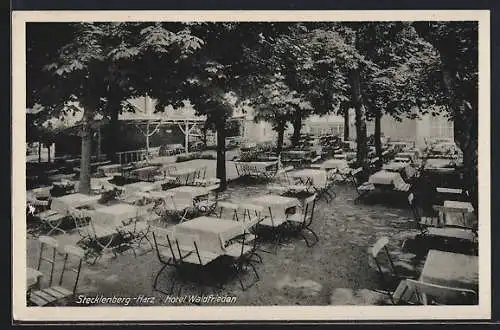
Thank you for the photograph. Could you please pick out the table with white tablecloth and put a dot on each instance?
(451, 269)
(138, 187)
(64, 203)
(467, 218)
(317, 178)
(278, 205)
(331, 164)
(387, 178)
(212, 232)
(185, 196)
(115, 215)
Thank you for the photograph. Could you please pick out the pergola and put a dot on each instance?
(145, 117)
(154, 122)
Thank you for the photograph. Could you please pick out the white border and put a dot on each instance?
(288, 313)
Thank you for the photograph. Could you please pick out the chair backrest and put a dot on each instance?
(309, 205)
(77, 254)
(187, 244)
(355, 176)
(163, 238)
(52, 244)
(81, 218)
(222, 205)
(442, 295)
(375, 251)
(248, 209)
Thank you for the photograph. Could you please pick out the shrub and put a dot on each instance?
(194, 155)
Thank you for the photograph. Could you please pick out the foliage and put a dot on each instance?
(193, 155)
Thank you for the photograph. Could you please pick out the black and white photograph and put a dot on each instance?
(325, 165)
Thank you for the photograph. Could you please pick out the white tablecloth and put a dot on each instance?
(278, 204)
(386, 178)
(317, 177)
(212, 232)
(114, 215)
(451, 269)
(132, 188)
(184, 196)
(458, 219)
(335, 164)
(64, 203)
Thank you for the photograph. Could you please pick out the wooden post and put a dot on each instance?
(98, 142)
(186, 138)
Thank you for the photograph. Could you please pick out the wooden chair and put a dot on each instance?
(164, 240)
(52, 245)
(363, 189)
(421, 222)
(54, 294)
(190, 255)
(241, 256)
(228, 206)
(275, 226)
(51, 220)
(302, 220)
(96, 239)
(433, 294)
(252, 216)
(388, 273)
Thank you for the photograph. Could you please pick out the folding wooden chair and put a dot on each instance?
(96, 240)
(164, 240)
(241, 256)
(191, 256)
(275, 226)
(388, 273)
(433, 294)
(302, 220)
(51, 244)
(363, 189)
(421, 222)
(228, 206)
(54, 294)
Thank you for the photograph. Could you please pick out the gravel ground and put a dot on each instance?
(334, 271)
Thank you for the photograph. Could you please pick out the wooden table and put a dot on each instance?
(114, 215)
(185, 196)
(141, 186)
(451, 269)
(64, 203)
(386, 178)
(317, 178)
(212, 231)
(279, 205)
(334, 163)
(460, 219)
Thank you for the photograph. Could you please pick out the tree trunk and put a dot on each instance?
(39, 152)
(346, 124)
(297, 126)
(221, 154)
(114, 136)
(377, 134)
(361, 151)
(204, 137)
(48, 153)
(281, 134)
(465, 132)
(84, 185)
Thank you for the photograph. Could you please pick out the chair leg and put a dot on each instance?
(316, 238)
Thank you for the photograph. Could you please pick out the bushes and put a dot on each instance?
(194, 155)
